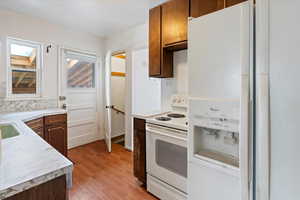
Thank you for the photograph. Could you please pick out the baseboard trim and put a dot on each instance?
(81, 140)
(113, 135)
(129, 148)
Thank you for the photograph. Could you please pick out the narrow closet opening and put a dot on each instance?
(118, 94)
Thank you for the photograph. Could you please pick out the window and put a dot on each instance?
(24, 63)
(80, 70)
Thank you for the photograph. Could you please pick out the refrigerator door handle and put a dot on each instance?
(244, 138)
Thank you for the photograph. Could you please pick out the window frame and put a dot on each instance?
(38, 70)
(88, 57)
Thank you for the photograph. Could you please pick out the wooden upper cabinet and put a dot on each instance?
(203, 7)
(175, 15)
(167, 33)
(155, 41)
(232, 2)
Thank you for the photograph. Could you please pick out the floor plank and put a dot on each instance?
(99, 175)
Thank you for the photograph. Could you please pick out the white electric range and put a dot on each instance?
(166, 141)
(173, 119)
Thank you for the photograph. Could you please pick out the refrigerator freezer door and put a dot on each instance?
(218, 59)
(218, 48)
(207, 189)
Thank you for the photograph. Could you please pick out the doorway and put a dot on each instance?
(78, 95)
(118, 95)
(116, 88)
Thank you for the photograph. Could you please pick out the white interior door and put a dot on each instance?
(108, 105)
(78, 95)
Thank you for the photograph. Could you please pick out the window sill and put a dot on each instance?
(20, 98)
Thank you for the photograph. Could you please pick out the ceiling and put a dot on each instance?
(99, 17)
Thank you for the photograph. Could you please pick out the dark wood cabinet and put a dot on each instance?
(155, 42)
(56, 137)
(203, 7)
(175, 15)
(139, 153)
(167, 33)
(56, 132)
(37, 125)
(55, 189)
(229, 3)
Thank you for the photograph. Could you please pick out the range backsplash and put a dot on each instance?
(26, 105)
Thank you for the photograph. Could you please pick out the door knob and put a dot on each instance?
(64, 106)
(62, 98)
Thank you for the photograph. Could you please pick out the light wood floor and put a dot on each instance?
(99, 175)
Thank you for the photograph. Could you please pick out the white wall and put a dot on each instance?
(146, 92)
(133, 38)
(34, 29)
(118, 96)
(284, 99)
(179, 83)
(154, 3)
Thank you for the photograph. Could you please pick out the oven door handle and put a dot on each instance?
(166, 134)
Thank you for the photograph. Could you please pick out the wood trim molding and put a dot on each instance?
(82, 122)
(81, 107)
(121, 56)
(262, 128)
(120, 74)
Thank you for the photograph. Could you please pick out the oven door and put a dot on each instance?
(167, 155)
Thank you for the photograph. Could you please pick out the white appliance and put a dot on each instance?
(166, 141)
(218, 61)
(277, 100)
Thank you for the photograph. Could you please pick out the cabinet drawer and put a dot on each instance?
(54, 119)
(36, 123)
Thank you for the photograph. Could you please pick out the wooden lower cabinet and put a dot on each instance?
(37, 125)
(139, 152)
(56, 136)
(54, 130)
(55, 189)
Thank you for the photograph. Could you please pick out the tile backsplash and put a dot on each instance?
(26, 105)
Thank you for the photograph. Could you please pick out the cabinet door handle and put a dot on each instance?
(56, 128)
(214, 109)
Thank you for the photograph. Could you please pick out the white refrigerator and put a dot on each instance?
(219, 62)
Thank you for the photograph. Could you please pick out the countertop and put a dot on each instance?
(149, 114)
(28, 160)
